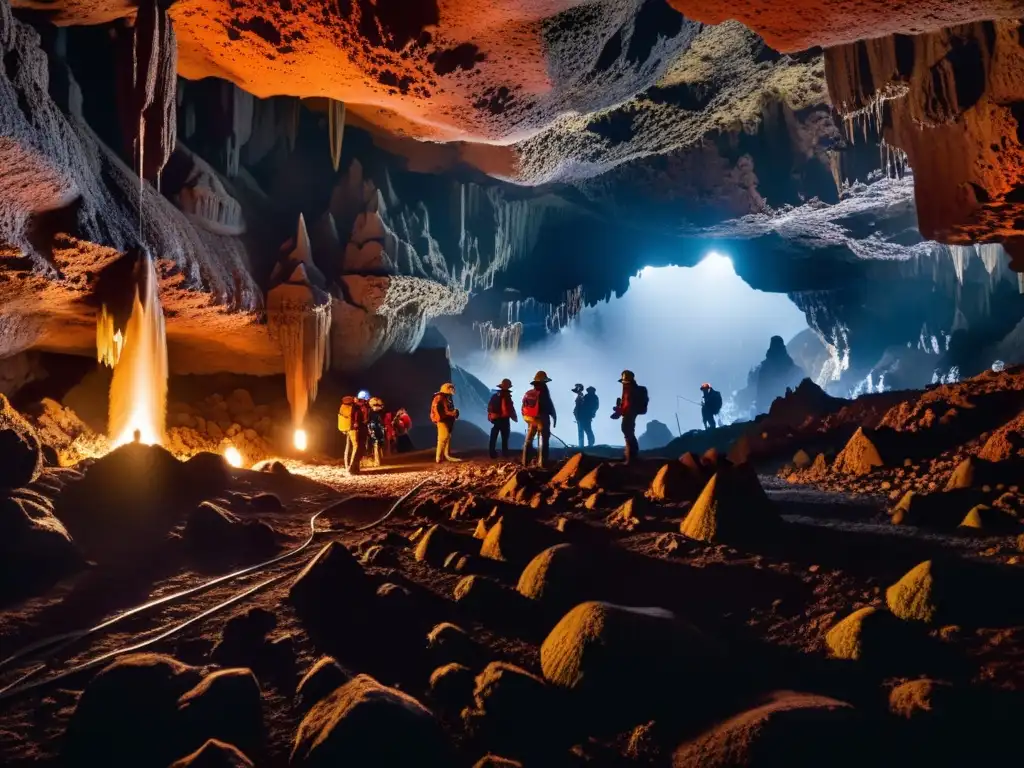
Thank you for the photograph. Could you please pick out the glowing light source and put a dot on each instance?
(233, 457)
(718, 262)
(300, 439)
(138, 389)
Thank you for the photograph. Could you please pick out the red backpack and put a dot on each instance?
(531, 404)
(499, 407)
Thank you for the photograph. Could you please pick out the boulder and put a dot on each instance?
(872, 636)
(240, 402)
(801, 459)
(366, 723)
(35, 548)
(516, 539)
(618, 658)
(326, 675)
(860, 456)
(225, 705)
(330, 581)
(243, 637)
(797, 730)
(128, 714)
(603, 477)
(511, 707)
(208, 473)
(380, 556)
(214, 754)
(943, 511)
(211, 527)
(673, 484)
(449, 643)
(20, 449)
(562, 576)
(732, 507)
(451, 687)
(266, 502)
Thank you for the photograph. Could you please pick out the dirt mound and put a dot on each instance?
(519, 487)
(366, 723)
(630, 515)
(985, 519)
(20, 449)
(449, 643)
(128, 714)
(872, 636)
(1007, 442)
(969, 395)
(512, 708)
(620, 659)
(332, 573)
(941, 511)
(128, 501)
(516, 539)
(603, 477)
(214, 754)
(573, 470)
(435, 545)
(732, 507)
(793, 729)
(562, 576)
(861, 456)
(213, 531)
(674, 484)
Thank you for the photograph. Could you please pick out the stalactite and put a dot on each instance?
(109, 339)
(336, 129)
(240, 106)
(502, 339)
(961, 255)
(290, 114)
(147, 74)
(299, 319)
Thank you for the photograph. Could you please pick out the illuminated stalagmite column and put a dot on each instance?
(299, 319)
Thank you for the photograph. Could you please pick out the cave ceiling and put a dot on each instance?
(821, 143)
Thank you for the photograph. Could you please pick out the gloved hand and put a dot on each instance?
(456, 413)
(554, 423)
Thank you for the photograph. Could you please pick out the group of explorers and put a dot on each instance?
(369, 429)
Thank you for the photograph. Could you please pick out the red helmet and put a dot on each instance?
(705, 385)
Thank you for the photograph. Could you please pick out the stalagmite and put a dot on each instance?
(299, 319)
(336, 129)
(138, 390)
(148, 64)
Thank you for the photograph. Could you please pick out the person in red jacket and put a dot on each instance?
(626, 409)
(539, 413)
(501, 412)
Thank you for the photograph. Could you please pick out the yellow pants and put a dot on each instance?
(444, 441)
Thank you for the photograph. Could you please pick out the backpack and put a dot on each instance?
(715, 401)
(499, 407)
(435, 409)
(531, 404)
(640, 400)
(345, 417)
(590, 406)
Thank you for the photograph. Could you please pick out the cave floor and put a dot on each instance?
(773, 602)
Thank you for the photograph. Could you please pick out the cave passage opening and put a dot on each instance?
(675, 327)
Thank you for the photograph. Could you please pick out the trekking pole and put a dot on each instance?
(693, 402)
(679, 429)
